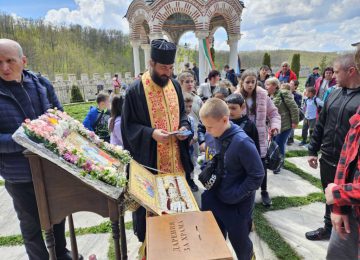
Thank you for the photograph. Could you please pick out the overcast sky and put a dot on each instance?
(313, 25)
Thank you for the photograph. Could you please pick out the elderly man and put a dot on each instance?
(153, 109)
(285, 74)
(331, 129)
(23, 95)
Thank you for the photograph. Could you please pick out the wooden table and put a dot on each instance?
(60, 194)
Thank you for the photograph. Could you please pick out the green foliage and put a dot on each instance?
(267, 60)
(296, 153)
(11, 240)
(2, 183)
(295, 64)
(76, 96)
(69, 49)
(79, 111)
(323, 63)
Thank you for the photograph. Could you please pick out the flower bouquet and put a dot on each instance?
(71, 141)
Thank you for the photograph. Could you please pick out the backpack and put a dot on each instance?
(213, 172)
(274, 158)
(101, 126)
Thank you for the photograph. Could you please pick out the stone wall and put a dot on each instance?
(89, 87)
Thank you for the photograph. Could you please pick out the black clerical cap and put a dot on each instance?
(163, 51)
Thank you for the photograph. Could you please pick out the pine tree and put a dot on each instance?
(295, 64)
(323, 63)
(76, 96)
(266, 60)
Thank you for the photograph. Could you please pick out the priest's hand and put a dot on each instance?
(182, 137)
(160, 136)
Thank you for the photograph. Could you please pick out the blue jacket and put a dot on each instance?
(243, 168)
(90, 118)
(14, 167)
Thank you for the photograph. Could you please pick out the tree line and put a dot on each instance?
(68, 49)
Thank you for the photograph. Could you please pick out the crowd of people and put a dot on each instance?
(167, 124)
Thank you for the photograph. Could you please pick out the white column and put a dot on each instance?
(136, 56)
(202, 62)
(146, 48)
(233, 43)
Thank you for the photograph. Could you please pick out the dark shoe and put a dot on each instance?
(68, 256)
(319, 234)
(290, 141)
(193, 186)
(266, 201)
(277, 171)
(302, 143)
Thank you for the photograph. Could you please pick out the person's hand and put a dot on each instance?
(274, 131)
(160, 136)
(182, 137)
(313, 162)
(202, 147)
(329, 194)
(340, 224)
(294, 126)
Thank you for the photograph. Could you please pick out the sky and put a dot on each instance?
(311, 25)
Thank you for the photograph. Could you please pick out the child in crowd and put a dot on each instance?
(221, 93)
(228, 85)
(294, 84)
(237, 106)
(188, 99)
(115, 121)
(311, 105)
(97, 118)
(232, 200)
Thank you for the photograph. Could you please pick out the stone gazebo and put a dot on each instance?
(150, 20)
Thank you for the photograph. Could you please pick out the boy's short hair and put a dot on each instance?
(296, 82)
(222, 91)
(102, 97)
(236, 99)
(311, 90)
(188, 97)
(285, 86)
(214, 108)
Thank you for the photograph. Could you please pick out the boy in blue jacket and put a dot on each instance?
(231, 201)
(97, 118)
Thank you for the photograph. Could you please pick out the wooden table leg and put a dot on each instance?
(123, 239)
(116, 236)
(50, 243)
(74, 248)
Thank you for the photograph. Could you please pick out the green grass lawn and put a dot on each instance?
(78, 111)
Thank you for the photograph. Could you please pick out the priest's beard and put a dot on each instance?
(161, 80)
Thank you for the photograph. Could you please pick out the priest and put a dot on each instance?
(153, 110)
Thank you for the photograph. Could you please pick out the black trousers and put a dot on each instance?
(264, 182)
(139, 223)
(327, 174)
(23, 196)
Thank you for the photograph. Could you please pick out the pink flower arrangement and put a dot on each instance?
(51, 130)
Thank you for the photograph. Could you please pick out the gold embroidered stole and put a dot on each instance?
(164, 111)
